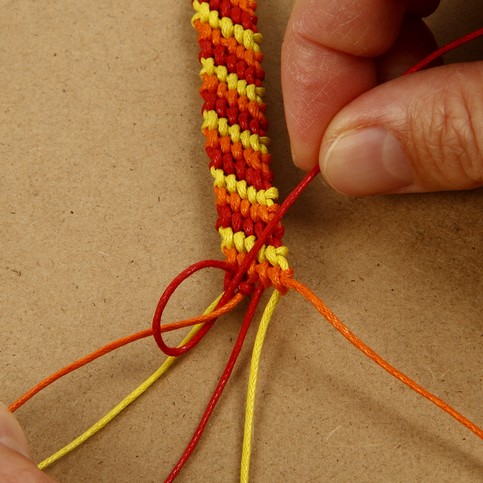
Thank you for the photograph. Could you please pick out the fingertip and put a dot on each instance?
(317, 83)
(302, 158)
(15, 467)
(11, 434)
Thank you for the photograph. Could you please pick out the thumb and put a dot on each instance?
(11, 434)
(15, 462)
(421, 132)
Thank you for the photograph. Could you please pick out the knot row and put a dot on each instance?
(232, 204)
(230, 79)
(229, 52)
(243, 36)
(211, 121)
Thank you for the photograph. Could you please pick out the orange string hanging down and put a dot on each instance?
(120, 343)
(354, 340)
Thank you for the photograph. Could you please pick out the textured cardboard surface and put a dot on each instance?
(105, 197)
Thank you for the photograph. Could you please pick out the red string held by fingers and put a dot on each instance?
(445, 49)
(249, 218)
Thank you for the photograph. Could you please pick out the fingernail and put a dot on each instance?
(366, 162)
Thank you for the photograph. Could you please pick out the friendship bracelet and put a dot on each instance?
(249, 220)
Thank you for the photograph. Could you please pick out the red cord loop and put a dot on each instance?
(163, 301)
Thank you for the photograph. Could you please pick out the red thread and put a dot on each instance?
(156, 326)
(234, 282)
(445, 49)
(221, 384)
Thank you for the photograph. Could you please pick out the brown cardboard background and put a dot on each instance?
(105, 197)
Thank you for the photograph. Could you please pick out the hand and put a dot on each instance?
(416, 133)
(16, 464)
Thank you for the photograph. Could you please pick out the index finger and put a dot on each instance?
(327, 61)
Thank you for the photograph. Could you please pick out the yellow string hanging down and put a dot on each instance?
(252, 385)
(126, 401)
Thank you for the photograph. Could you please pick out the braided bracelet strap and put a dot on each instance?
(235, 129)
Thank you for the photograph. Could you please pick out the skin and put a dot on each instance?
(15, 459)
(340, 61)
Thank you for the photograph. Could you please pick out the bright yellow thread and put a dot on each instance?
(253, 92)
(252, 385)
(126, 401)
(276, 256)
(248, 140)
(262, 197)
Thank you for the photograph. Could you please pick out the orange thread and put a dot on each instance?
(248, 6)
(119, 343)
(205, 32)
(354, 340)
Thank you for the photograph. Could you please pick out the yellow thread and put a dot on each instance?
(239, 241)
(253, 92)
(262, 197)
(246, 37)
(276, 256)
(126, 401)
(252, 385)
(248, 140)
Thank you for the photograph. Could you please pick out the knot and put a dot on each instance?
(246, 288)
(245, 276)
(274, 276)
(246, 245)
(245, 37)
